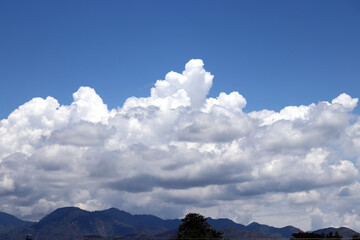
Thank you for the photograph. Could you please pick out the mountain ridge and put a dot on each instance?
(343, 231)
(73, 223)
(9, 222)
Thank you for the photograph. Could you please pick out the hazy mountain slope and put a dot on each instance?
(9, 222)
(72, 222)
(224, 223)
(343, 231)
(142, 222)
(284, 232)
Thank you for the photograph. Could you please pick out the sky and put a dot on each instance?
(233, 109)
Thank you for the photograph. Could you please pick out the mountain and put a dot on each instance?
(143, 223)
(72, 222)
(75, 223)
(9, 222)
(343, 231)
(224, 223)
(284, 232)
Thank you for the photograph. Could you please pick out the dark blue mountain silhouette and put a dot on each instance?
(9, 222)
(73, 222)
(343, 231)
(272, 231)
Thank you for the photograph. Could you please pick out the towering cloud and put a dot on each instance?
(178, 150)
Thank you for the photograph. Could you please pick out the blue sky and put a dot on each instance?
(275, 53)
(238, 109)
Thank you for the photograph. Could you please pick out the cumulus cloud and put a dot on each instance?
(304, 197)
(178, 150)
(194, 83)
(82, 134)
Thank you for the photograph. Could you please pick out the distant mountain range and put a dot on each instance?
(75, 223)
(9, 223)
(343, 231)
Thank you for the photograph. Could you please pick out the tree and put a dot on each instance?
(308, 235)
(330, 235)
(313, 236)
(195, 226)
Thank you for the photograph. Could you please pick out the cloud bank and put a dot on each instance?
(178, 151)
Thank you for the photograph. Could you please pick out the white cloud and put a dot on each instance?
(346, 101)
(195, 82)
(304, 197)
(6, 185)
(177, 150)
(352, 220)
(82, 134)
(317, 219)
(88, 106)
(233, 102)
